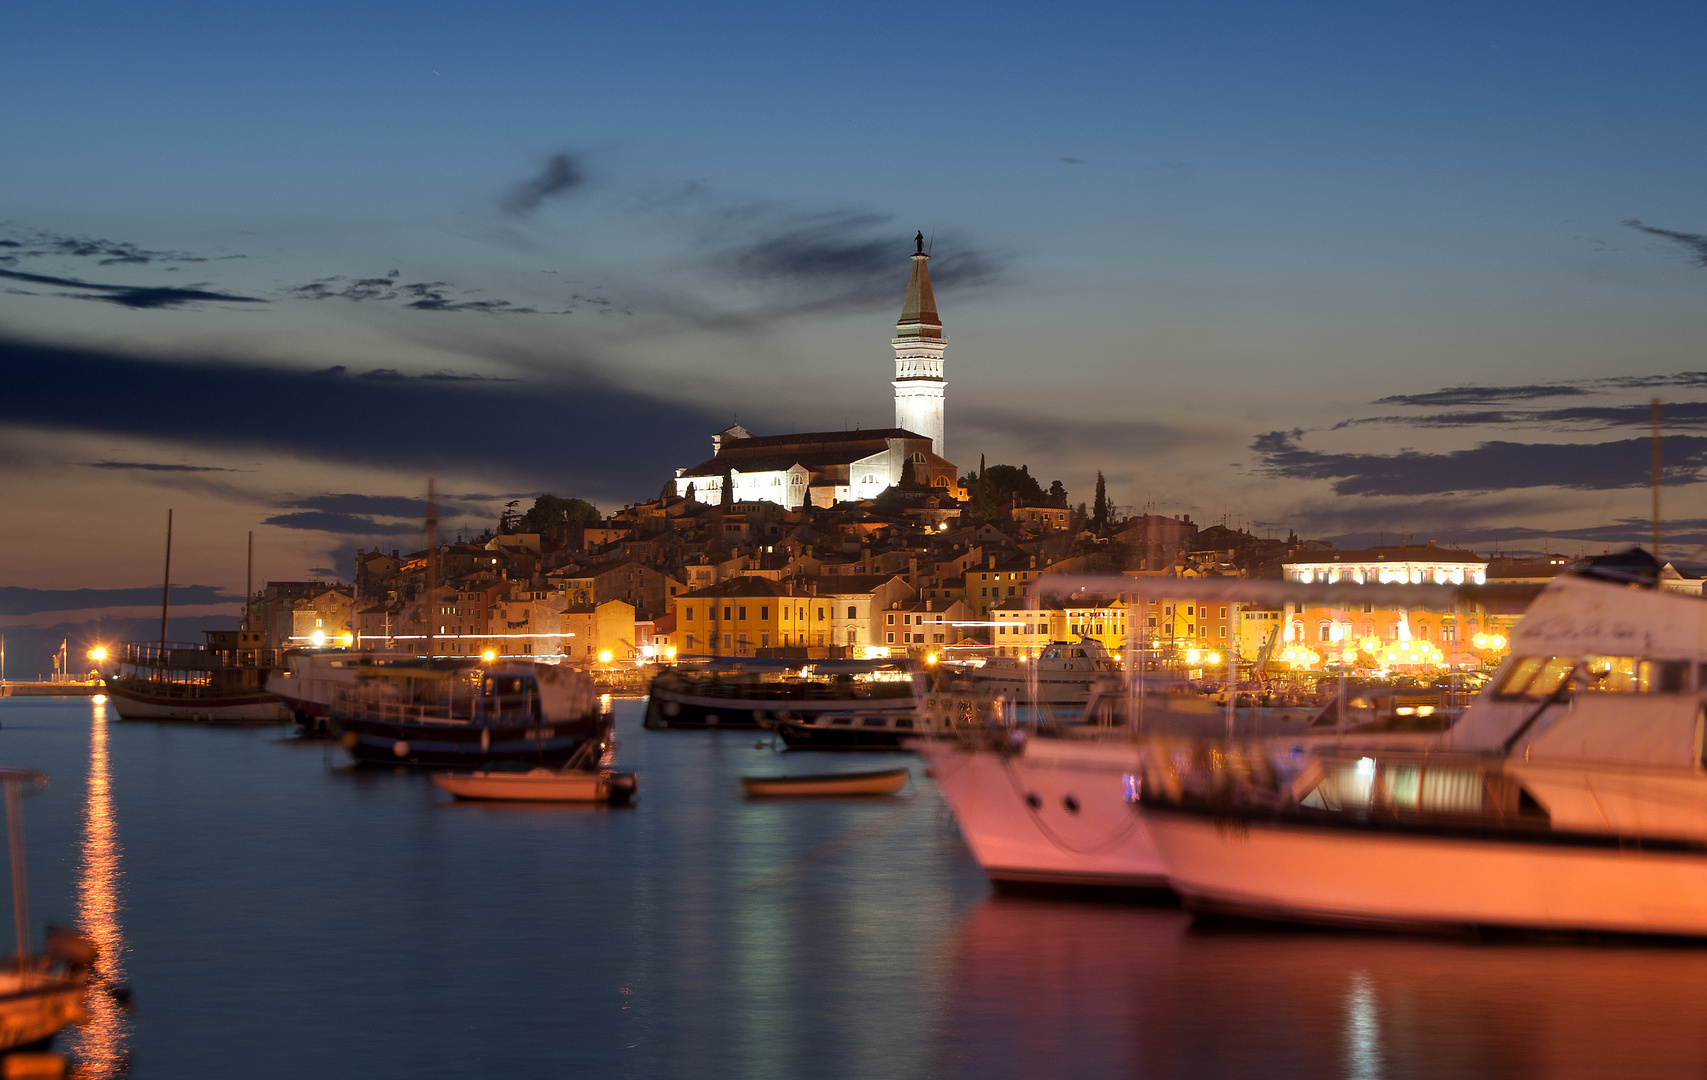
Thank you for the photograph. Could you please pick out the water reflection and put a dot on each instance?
(1041, 988)
(101, 1047)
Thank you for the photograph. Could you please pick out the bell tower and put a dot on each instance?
(919, 344)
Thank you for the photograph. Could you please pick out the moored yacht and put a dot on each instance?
(1063, 673)
(221, 682)
(1571, 795)
(754, 693)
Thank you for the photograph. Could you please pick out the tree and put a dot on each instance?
(1099, 506)
(996, 489)
(1057, 494)
(909, 475)
(549, 510)
(509, 518)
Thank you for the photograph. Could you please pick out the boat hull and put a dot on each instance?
(1394, 878)
(1100, 845)
(884, 782)
(539, 785)
(467, 746)
(37, 1014)
(134, 702)
(672, 707)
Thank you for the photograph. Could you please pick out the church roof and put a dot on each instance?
(813, 449)
(918, 311)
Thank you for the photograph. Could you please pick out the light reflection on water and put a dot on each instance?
(284, 916)
(100, 1045)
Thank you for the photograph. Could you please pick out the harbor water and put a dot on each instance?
(279, 913)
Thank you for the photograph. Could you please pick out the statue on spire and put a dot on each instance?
(919, 242)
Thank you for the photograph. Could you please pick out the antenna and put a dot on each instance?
(931, 242)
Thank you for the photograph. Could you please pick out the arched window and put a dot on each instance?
(919, 458)
(868, 478)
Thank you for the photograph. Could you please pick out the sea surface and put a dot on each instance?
(281, 914)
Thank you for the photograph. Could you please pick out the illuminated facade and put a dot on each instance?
(1415, 565)
(919, 345)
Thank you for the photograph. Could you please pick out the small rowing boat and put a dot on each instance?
(541, 785)
(880, 782)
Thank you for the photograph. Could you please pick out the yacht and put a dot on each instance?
(758, 693)
(220, 682)
(1064, 673)
(1571, 796)
(311, 678)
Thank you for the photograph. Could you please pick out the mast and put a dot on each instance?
(249, 583)
(1655, 406)
(432, 562)
(166, 592)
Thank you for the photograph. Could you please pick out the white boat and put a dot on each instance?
(541, 785)
(1571, 796)
(1064, 673)
(311, 679)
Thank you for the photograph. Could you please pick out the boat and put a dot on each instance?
(222, 682)
(1049, 805)
(1065, 673)
(757, 693)
(40, 993)
(451, 715)
(1569, 797)
(309, 679)
(879, 782)
(541, 785)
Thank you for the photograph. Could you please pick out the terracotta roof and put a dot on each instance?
(918, 310)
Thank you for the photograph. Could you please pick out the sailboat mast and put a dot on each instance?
(166, 591)
(432, 562)
(249, 583)
(1655, 405)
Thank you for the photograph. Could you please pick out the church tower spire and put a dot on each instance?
(919, 344)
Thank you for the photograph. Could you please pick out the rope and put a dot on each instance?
(1050, 834)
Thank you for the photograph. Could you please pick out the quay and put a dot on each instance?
(49, 689)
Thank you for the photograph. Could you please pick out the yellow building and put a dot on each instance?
(599, 633)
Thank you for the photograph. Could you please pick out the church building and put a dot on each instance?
(827, 467)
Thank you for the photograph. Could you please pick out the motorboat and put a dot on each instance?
(220, 682)
(1571, 796)
(758, 693)
(877, 782)
(1064, 673)
(541, 785)
(309, 679)
(457, 716)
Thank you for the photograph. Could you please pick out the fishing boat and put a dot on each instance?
(40, 993)
(222, 682)
(757, 693)
(879, 782)
(1571, 796)
(309, 679)
(451, 715)
(541, 785)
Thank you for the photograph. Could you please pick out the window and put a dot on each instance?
(725, 641)
(937, 638)
(889, 620)
(820, 617)
(741, 613)
(764, 613)
(1001, 629)
(1223, 613)
(853, 635)
(690, 643)
(889, 638)
(764, 641)
(853, 612)
(726, 614)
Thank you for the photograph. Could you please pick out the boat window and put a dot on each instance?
(842, 720)
(1610, 674)
(873, 721)
(904, 722)
(1535, 676)
(1662, 677)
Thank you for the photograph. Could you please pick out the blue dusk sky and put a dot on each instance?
(1357, 270)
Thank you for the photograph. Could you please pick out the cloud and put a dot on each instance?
(1694, 243)
(15, 600)
(132, 296)
(1484, 395)
(419, 295)
(150, 466)
(342, 524)
(1675, 414)
(39, 243)
(574, 432)
(1072, 161)
(1048, 436)
(560, 175)
(1489, 466)
(842, 260)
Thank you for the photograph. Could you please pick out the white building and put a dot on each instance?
(827, 467)
(1414, 565)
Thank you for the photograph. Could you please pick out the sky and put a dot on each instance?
(1366, 272)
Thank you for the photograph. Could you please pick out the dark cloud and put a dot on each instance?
(151, 466)
(131, 296)
(846, 260)
(1489, 466)
(419, 295)
(1692, 414)
(560, 175)
(1484, 395)
(1694, 243)
(15, 600)
(341, 524)
(1072, 161)
(575, 433)
(402, 506)
(37, 243)
(1049, 436)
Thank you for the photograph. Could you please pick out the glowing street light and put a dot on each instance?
(98, 653)
(489, 655)
(604, 656)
